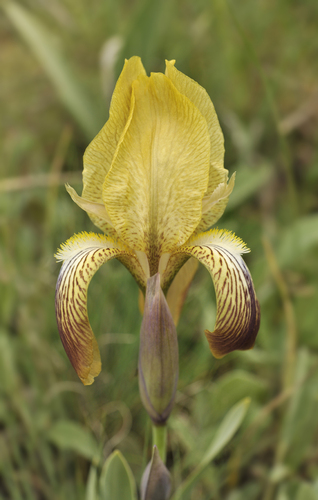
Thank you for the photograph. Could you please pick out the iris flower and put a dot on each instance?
(154, 183)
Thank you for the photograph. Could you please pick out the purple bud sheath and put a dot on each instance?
(158, 355)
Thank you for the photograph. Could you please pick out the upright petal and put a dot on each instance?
(238, 313)
(217, 174)
(99, 154)
(154, 189)
(200, 98)
(215, 200)
(82, 256)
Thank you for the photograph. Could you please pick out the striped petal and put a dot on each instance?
(238, 313)
(82, 256)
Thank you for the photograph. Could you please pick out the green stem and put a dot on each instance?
(159, 438)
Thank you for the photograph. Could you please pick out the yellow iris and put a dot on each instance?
(154, 182)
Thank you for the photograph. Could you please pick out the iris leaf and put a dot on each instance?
(224, 434)
(91, 485)
(69, 435)
(117, 481)
(248, 183)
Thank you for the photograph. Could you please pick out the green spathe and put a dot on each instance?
(158, 354)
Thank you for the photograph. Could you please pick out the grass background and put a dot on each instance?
(59, 60)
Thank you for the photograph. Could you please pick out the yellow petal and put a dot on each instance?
(217, 174)
(82, 256)
(179, 288)
(99, 154)
(91, 208)
(141, 302)
(220, 193)
(238, 313)
(214, 203)
(172, 265)
(153, 192)
(202, 101)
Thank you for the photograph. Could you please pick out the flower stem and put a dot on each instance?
(159, 438)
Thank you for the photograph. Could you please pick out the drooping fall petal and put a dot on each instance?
(99, 154)
(82, 256)
(238, 313)
(154, 189)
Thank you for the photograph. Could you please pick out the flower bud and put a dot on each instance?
(156, 480)
(158, 354)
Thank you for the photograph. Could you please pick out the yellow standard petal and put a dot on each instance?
(200, 98)
(217, 173)
(238, 312)
(154, 189)
(82, 256)
(99, 154)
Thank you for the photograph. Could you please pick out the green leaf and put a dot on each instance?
(298, 239)
(8, 370)
(69, 435)
(282, 493)
(295, 408)
(226, 431)
(150, 22)
(91, 485)
(117, 481)
(278, 473)
(43, 46)
(233, 387)
(224, 434)
(306, 492)
(299, 426)
(182, 428)
(248, 182)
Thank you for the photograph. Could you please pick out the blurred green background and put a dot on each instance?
(59, 61)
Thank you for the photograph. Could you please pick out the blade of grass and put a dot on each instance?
(25, 182)
(285, 153)
(40, 41)
(146, 29)
(291, 330)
